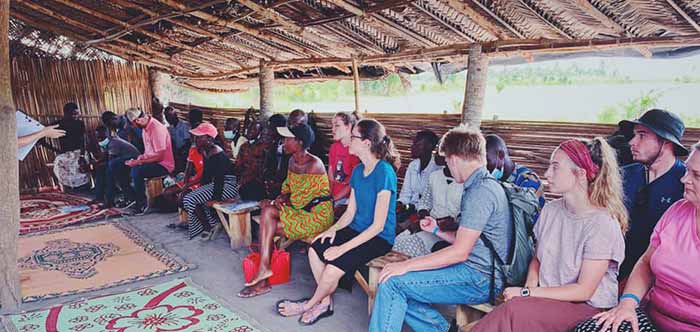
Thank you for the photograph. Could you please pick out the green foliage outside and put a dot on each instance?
(633, 108)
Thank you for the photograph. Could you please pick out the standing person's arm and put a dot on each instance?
(48, 131)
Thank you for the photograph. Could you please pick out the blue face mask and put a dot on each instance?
(497, 173)
(228, 134)
(103, 143)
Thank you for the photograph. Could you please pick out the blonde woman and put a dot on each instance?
(580, 245)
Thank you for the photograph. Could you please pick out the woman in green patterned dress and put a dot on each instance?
(303, 210)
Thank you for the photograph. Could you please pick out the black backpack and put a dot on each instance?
(524, 209)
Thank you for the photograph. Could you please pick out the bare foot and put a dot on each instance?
(261, 275)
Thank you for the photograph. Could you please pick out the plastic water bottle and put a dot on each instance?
(339, 174)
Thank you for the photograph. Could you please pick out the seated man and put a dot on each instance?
(117, 151)
(417, 174)
(460, 273)
(234, 135)
(123, 128)
(251, 159)
(180, 134)
(157, 159)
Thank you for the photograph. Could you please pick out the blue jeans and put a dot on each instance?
(100, 177)
(139, 174)
(408, 297)
(117, 172)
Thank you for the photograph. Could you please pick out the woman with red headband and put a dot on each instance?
(580, 245)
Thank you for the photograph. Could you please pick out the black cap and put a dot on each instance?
(663, 123)
(302, 132)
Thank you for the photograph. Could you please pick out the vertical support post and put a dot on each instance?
(10, 297)
(477, 74)
(356, 79)
(267, 79)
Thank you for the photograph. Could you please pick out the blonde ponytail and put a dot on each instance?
(605, 190)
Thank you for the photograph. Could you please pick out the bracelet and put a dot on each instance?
(631, 296)
(435, 230)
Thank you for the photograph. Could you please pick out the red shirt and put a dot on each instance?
(337, 153)
(197, 160)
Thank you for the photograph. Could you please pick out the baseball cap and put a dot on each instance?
(205, 128)
(133, 113)
(301, 132)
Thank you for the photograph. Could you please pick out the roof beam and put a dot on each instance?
(398, 29)
(241, 27)
(476, 17)
(212, 36)
(685, 15)
(443, 22)
(288, 24)
(93, 30)
(549, 23)
(596, 13)
(499, 19)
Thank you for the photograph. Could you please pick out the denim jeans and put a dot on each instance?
(408, 297)
(100, 177)
(139, 174)
(117, 172)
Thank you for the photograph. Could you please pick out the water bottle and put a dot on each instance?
(339, 174)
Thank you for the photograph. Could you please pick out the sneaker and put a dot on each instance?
(139, 210)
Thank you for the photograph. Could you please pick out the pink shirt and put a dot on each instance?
(338, 152)
(674, 300)
(157, 138)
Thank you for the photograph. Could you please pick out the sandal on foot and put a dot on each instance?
(253, 291)
(297, 304)
(317, 312)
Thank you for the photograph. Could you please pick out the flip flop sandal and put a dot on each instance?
(326, 313)
(253, 292)
(299, 302)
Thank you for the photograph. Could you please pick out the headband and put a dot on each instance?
(579, 154)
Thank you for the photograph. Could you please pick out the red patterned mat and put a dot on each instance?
(45, 211)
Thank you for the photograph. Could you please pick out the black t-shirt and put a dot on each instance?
(75, 135)
(216, 167)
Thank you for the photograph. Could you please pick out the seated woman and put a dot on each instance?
(302, 210)
(580, 245)
(172, 197)
(666, 275)
(218, 183)
(365, 231)
(340, 161)
(250, 162)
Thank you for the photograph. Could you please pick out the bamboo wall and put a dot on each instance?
(42, 86)
(530, 142)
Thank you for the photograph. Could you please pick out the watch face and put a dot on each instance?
(524, 292)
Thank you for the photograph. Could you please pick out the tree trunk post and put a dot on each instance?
(356, 80)
(10, 297)
(477, 70)
(267, 80)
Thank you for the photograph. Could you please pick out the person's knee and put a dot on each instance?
(391, 285)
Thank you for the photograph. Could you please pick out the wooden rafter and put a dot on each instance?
(465, 9)
(499, 19)
(494, 48)
(396, 28)
(685, 15)
(592, 10)
(261, 34)
(545, 20)
(212, 36)
(96, 31)
(444, 23)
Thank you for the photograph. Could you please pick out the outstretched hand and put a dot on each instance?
(53, 132)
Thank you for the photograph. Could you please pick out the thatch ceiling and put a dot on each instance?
(312, 39)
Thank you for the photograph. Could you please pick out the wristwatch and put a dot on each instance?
(525, 292)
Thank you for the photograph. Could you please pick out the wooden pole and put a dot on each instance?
(267, 78)
(477, 69)
(356, 79)
(10, 297)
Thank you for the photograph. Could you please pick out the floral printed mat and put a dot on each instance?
(178, 305)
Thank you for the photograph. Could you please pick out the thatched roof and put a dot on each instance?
(310, 39)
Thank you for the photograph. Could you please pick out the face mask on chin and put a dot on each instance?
(497, 173)
(228, 134)
(103, 143)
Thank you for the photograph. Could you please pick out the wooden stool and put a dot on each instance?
(468, 315)
(236, 222)
(376, 266)
(182, 215)
(154, 187)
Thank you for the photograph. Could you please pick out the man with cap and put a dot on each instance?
(653, 183)
(157, 159)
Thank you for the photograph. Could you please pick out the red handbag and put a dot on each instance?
(279, 263)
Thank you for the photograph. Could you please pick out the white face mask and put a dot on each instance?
(103, 143)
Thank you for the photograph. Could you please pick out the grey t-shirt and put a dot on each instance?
(565, 240)
(119, 148)
(485, 208)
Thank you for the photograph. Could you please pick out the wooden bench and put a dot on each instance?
(154, 187)
(466, 315)
(236, 224)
